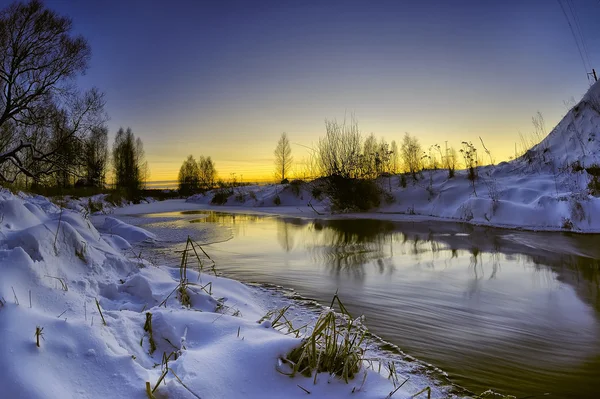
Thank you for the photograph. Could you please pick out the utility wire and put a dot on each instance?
(578, 27)
(574, 36)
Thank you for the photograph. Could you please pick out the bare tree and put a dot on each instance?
(52, 144)
(189, 176)
(368, 165)
(38, 59)
(283, 157)
(411, 153)
(96, 157)
(208, 172)
(339, 152)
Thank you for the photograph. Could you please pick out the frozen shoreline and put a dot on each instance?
(219, 349)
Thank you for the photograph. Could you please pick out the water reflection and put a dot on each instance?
(516, 311)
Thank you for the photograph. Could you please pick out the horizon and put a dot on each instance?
(225, 80)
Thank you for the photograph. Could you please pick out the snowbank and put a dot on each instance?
(126, 231)
(553, 187)
(294, 195)
(54, 265)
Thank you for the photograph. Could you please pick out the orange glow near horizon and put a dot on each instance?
(253, 161)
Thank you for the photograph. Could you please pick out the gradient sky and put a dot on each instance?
(226, 78)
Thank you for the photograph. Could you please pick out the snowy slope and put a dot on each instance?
(545, 189)
(269, 196)
(54, 264)
(576, 138)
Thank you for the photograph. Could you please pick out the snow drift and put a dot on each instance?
(90, 305)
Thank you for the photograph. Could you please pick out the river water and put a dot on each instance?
(518, 312)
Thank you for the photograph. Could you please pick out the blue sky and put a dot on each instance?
(226, 78)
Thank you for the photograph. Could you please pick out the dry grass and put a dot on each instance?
(335, 346)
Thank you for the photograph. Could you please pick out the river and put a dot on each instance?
(514, 311)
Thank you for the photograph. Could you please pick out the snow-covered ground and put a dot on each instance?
(554, 186)
(54, 265)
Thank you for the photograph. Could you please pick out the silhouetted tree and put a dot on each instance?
(283, 158)
(96, 156)
(368, 166)
(411, 153)
(128, 162)
(339, 152)
(208, 173)
(382, 157)
(38, 58)
(189, 177)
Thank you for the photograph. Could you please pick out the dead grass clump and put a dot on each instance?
(192, 251)
(334, 346)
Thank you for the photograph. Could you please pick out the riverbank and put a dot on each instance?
(75, 309)
(511, 310)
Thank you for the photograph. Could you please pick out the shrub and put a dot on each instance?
(594, 186)
(469, 153)
(353, 194)
(593, 170)
(115, 198)
(284, 181)
(240, 196)
(221, 196)
(94, 206)
(403, 182)
(576, 167)
(296, 185)
(277, 200)
(316, 192)
(567, 224)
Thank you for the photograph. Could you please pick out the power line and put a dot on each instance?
(578, 26)
(574, 35)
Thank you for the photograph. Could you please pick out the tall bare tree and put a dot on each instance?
(39, 57)
(208, 172)
(411, 153)
(283, 157)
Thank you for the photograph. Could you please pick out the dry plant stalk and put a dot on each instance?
(148, 329)
(100, 310)
(38, 334)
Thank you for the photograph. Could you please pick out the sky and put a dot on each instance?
(226, 78)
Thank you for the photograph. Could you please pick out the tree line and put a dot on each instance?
(53, 133)
(344, 151)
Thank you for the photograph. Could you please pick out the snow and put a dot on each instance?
(293, 198)
(544, 190)
(126, 231)
(61, 261)
(55, 264)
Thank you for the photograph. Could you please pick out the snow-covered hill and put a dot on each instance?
(575, 140)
